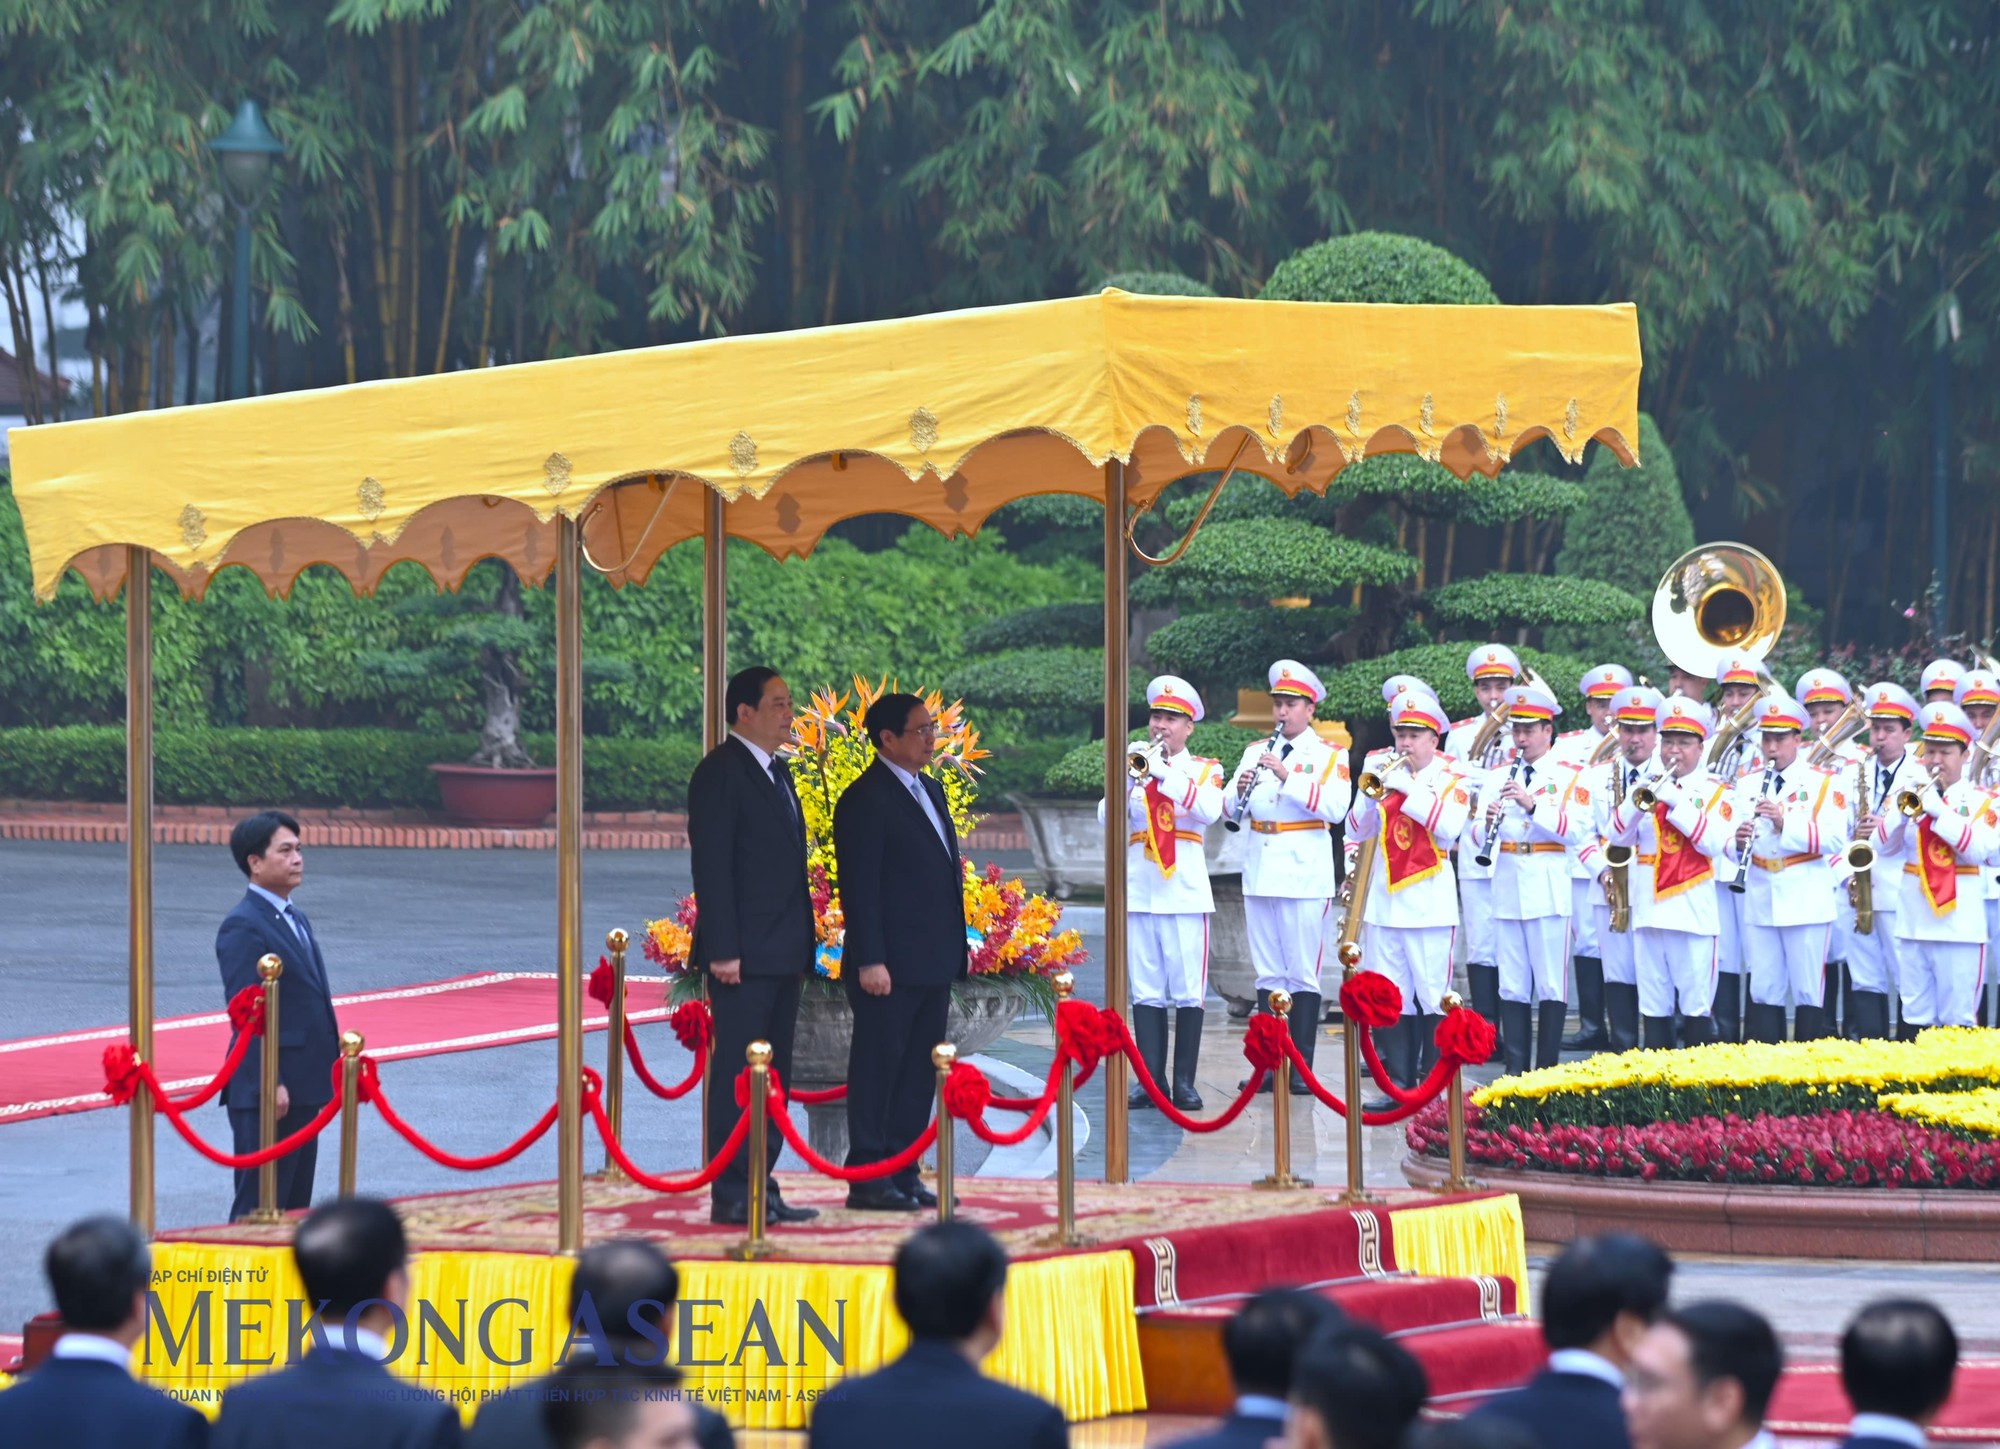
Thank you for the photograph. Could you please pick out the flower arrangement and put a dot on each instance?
(1013, 934)
(1971, 1114)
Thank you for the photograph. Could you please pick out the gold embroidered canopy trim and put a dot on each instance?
(944, 418)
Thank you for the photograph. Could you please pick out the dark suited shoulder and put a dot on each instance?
(83, 1404)
(934, 1385)
(1238, 1431)
(512, 1422)
(1564, 1411)
(334, 1400)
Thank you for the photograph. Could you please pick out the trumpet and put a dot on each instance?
(1369, 782)
(1646, 794)
(1910, 803)
(1139, 761)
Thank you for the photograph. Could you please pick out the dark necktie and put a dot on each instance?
(1285, 750)
(1527, 776)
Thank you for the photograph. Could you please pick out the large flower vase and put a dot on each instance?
(982, 1008)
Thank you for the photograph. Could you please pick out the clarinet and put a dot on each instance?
(1485, 856)
(1230, 822)
(1741, 881)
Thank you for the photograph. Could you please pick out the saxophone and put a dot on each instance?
(1861, 860)
(1618, 862)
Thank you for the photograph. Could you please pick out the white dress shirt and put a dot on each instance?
(94, 1346)
(284, 909)
(1583, 1361)
(1888, 1426)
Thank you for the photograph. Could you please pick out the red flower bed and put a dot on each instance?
(1828, 1149)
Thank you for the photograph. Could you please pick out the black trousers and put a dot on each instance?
(758, 1008)
(295, 1169)
(890, 1080)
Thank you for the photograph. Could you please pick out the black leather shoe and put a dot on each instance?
(730, 1214)
(922, 1196)
(780, 1211)
(880, 1197)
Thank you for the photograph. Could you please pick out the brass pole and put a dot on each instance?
(1066, 1235)
(1281, 1178)
(139, 865)
(269, 969)
(1458, 1181)
(714, 684)
(350, 1108)
(614, 1051)
(755, 1246)
(1117, 690)
(1350, 1039)
(569, 886)
(943, 1055)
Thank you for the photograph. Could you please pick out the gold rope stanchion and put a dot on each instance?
(1281, 1177)
(1065, 1235)
(350, 1107)
(615, 941)
(269, 969)
(943, 1055)
(1455, 1116)
(755, 1246)
(1350, 1034)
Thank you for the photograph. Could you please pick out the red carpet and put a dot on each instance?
(42, 1076)
(1811, 1404)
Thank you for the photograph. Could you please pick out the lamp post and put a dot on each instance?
(246, 151)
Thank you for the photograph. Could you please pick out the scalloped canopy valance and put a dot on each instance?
(943, 417)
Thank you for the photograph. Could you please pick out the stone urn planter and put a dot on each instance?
(497, 799)
(981, 1011)
(1068, 845)
(1230, 974)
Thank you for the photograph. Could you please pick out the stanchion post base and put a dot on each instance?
(749, 1252)
(1271, 1182)
(1355, 1196)
(1453, 1185)
(612, 1175)
(1065, 1240)
(264, 1215)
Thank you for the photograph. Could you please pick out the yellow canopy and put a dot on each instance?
(944, 418)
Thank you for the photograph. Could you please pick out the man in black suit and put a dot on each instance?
(622, 1294)
(1897, 1362)
(1601, 1296)
(83, 1396)
(951, 1281)
(1702, 1378)
(265, 922)
(1353, 1387)
(753, 930)
(625, 1406)
(1261, 1342)
(902, 898)
(354, 1263)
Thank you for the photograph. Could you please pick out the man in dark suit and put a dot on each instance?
(1898, 1358)
(1353, 1387)
(753, 930)
(1261, 1342)
(268, 922)
(617, 1288)
(354, 1263)
(624, 1406)
(902, 898)
(1702, 1378)
(951, 1281)
(83, 1396)
(1601, 1296)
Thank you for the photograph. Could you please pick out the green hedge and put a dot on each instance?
(1491, 600)
(1056, 625)
(1038, 679)
(1158, 284)
(357, 768)
(1080, 774)
(1239, 645)
(1377, 266)
(1354, 694)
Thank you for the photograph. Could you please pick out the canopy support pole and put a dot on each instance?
(569, 885)
(714, 620)
(139, 863)
(1117, 686)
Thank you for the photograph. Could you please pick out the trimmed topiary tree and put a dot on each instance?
(1158, 284)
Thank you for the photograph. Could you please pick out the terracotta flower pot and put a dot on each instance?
(498, 799)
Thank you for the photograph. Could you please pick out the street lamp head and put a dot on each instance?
(247, 149)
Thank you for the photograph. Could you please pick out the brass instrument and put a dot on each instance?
(1646, 794)
(1369, 782)
(1861, 861)
(1604, 750)
(1489, 729)
(1910, 803)
(1139, 761)
(1979, 761)
(1716, 599)
(1846, 725)
(1618, 863)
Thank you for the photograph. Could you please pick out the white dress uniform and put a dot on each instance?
(1788, 902)
(1594, 789)
(1943, 936)
(1673, 885)
(1741, 759)
(1874, 961)
(1475, 881)
(1167, 914)
(1602, 681)
(1288, 875)
(1982, 687)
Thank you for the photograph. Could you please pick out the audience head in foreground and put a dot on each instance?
(1701, 1378)
(618, 1407)
(352, 1252)
(1603, 1293)
(1897, 1361)
(1354, 1388)
(99, 1270)
(951, 1281)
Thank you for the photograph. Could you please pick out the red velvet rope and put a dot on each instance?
(824, 1094)
(1426, 1093)
(172, 1110)
(869, 1172)
(964, 1099)
(651, 1083)
(710, 1171)
(1174, 1114)
(371, 1091)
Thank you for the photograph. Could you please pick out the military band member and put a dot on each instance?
(1492, 668)
(1791, 819)
(1288, 793)
(1527, 822)
(1599, 687)
(1411, 912)
(1635, 712)
(1940, 680)
(1874, 961)
(1978, 693)
(1672, 877)
(1737, 677)
(1953, 833)
(1826, 694)
(1686, 683)
(1168, 901)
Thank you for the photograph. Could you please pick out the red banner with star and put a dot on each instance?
(1409, 854)
(1160, 837)
(1937, 868)
(1677, 866)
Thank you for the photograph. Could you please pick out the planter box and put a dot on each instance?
(498, 799)
(1068, 845)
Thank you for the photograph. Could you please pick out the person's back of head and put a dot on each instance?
(617, 1406)
(1702, 1378)
(1603, 1292)
(99, 1270)
(1264, 1338)
(949, 1282)
(1355, 1388)
(1898, 1357)
(351, 1251)
(625, 1289)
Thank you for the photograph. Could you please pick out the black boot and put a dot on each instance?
(1763, 1023)
(1389, 1048)
(1149, 1031)
(1810, 1023)
(1483, 982)
(1549, 1033)
(1517, 1034)
(1656, 1033)
(1305, 1034)
(1591, 1035)
(1868, 1015)
(1907, 1031)
(1729, 1005)
(1262, 1008)
(1621, 1015)
(1187, 1056)
(1697, 1030)
(1839, 997)
(1425, 1052)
